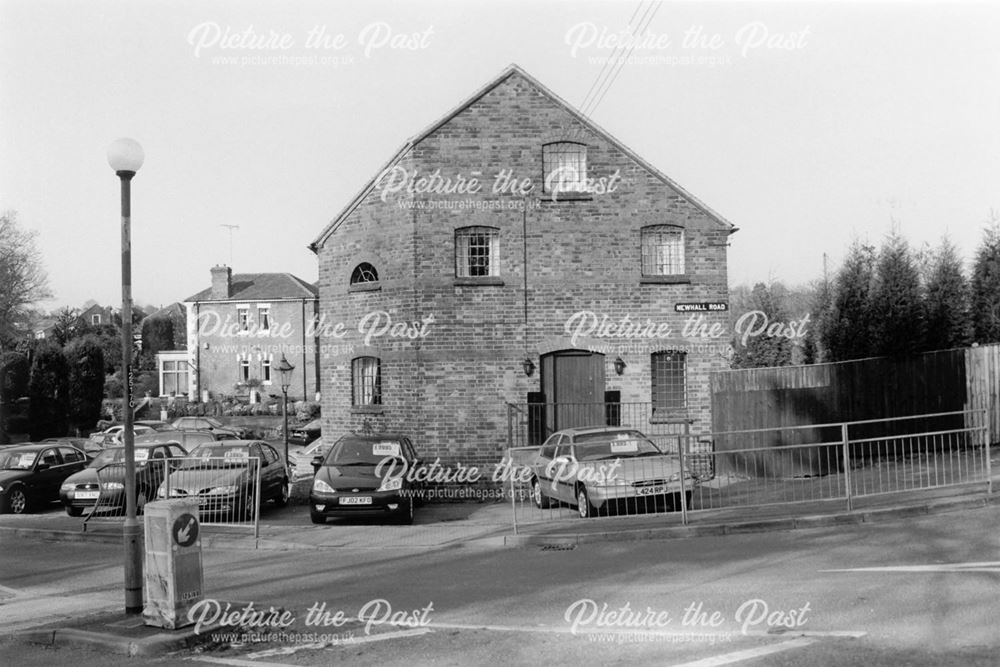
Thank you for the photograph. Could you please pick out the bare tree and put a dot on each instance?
(22, 278)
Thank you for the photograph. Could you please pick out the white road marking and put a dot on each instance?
(236, 662)
(988, 566)
(749, 654)
(348, 641)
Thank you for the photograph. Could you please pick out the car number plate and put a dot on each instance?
(356, 500)
(651, 490)
(87, 495)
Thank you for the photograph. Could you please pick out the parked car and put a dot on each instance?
(186, 438)
(301, 460)
(210, 424)
(594, 468)
(305, 434)
(154, 424)
(104, 479)
(348, 481)
(90, 448)
(32, 473)
(220, 476)
(113, 434)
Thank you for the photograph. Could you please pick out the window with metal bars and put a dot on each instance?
(364, 273)
(366, 381)
(477, 251)
(564, 167)
(662, 250)
(669, 377)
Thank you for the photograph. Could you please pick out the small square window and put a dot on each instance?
(663, 251)
(564, 167)
(477, 251)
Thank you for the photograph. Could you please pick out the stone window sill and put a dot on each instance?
(364, 287)
(493, 281)
(679, 279)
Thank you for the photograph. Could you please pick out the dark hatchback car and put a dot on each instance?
(365, 473)
(103, 481)
(221, 476)
(32, 473)
(210, 424)
(305, 435)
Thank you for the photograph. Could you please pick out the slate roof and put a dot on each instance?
(262, 287)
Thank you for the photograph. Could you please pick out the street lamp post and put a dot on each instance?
(125, 156)
(285, 369)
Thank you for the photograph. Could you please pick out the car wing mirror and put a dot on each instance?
(317, 463)
(42, 466)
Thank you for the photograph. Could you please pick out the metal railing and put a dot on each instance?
(869, 459)
(228, 490)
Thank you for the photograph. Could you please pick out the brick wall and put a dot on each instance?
(216, 348)
(448, 389)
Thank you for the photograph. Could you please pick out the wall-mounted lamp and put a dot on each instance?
(529, 367)
(619, 365)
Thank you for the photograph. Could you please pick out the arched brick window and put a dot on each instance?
(364, 273)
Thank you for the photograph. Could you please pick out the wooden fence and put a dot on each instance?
(866, 389)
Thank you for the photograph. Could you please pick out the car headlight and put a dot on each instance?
(393, 484)
(161, 492)
(322, 486)
(220, 490)
(67, 486)
(1, 488)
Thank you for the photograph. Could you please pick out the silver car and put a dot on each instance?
(594, 468)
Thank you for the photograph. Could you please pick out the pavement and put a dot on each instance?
(477, 525)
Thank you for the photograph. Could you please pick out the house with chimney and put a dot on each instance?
(238, 330)
(514, 270)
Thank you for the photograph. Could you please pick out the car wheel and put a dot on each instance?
(17, 502)
(583, 506)
(282, 499)
(317, 518)
(542, 501)
(406, 512)
(74, 511)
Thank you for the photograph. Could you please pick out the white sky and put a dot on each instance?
(880, 111)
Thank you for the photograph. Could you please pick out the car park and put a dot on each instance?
(365, 474)
(210, 424)
(30, 474)
(102, 483)
(603, 467)
(304, 435)
(220, 475)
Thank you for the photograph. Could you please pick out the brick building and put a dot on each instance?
(239, 328)
(514, 252)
